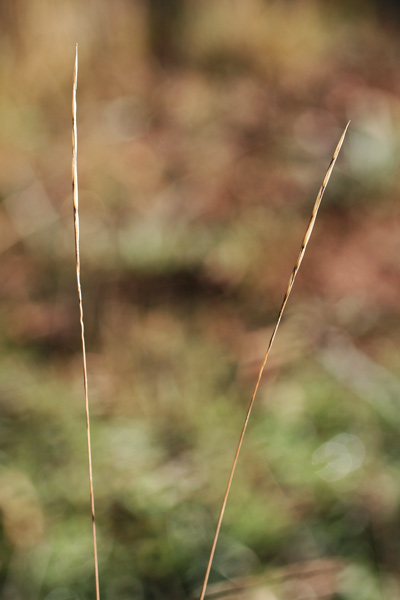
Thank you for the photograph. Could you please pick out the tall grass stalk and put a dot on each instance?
(75, 196)
(292, 278)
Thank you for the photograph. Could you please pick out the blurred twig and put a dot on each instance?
(371, 382)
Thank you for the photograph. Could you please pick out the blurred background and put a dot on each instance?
(204, 132)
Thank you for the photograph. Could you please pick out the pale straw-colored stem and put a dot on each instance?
(78, 280)
(271, 341)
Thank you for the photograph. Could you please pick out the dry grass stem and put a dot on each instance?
(271, 341)
(78, 280)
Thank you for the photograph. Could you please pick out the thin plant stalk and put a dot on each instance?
(292, 278)
(78, 280)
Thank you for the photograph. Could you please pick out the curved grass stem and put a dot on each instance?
(292, 278)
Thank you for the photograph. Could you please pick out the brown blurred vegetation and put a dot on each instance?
(204, 131)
